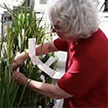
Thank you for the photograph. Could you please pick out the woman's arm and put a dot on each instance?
(40, 49)
(49, 90)
(45, 48)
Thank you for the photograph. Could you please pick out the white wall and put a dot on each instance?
(104, 22)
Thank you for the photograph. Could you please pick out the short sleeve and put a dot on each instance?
(61, 45)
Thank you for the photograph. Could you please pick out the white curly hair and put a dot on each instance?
(78, 18)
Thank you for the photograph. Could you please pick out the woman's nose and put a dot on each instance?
(53, 30)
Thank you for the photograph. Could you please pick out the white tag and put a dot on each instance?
(32, 43)
(43, 66)
(50, 61)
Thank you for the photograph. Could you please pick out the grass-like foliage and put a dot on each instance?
(25, 25)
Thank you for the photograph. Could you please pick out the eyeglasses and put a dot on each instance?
(56, 28)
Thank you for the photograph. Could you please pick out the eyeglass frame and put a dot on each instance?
(55, 29)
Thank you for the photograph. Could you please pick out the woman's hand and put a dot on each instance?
(19, 78)
(19, 60)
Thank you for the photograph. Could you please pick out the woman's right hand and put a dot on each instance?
(19, 60)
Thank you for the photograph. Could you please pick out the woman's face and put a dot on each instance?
(62, 34)
(59, 31)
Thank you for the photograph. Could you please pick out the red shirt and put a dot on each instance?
(86, 71)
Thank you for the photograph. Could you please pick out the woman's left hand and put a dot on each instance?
(19, 77)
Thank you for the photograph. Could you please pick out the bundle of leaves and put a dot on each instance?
(25, 25)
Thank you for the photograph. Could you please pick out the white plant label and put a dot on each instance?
(43, 66)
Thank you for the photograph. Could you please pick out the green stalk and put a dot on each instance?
(2, 99)
(9, 91)
(22, 95)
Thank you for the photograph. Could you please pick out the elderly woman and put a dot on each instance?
(84, 83)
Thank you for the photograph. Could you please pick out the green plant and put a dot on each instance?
(25, 25)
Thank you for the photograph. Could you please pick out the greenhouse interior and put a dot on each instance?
(24, 25)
